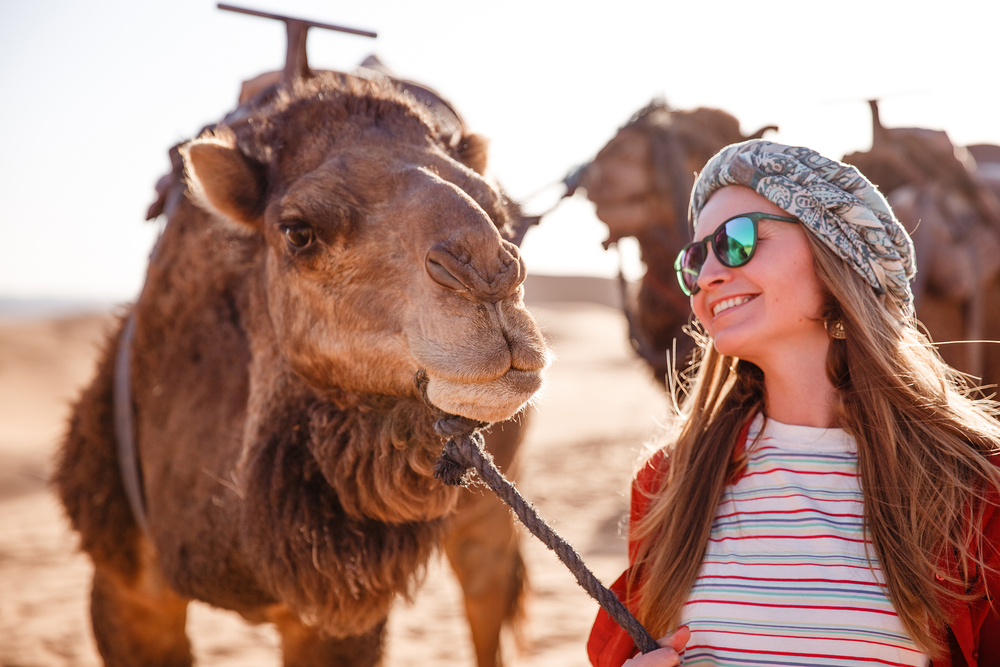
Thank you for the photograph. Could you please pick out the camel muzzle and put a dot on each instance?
(486, 274)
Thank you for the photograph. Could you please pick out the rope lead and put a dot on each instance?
(464, 453)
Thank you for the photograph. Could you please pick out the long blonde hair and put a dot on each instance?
(923, 444)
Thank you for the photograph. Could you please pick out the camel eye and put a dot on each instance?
(299, 237)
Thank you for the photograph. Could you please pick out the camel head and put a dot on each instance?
(382, 252)
(641, 180)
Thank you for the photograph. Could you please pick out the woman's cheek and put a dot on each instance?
(698, 306)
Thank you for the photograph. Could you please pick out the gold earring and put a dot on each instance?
(836, 329)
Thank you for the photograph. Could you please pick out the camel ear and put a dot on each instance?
(224, 180)
(760, 133)
(472, 150)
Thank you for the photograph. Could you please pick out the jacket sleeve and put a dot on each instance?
(983, 614)
(986, 611)
(609, 645)
(975, 626)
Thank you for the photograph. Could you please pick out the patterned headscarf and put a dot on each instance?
(833, 199)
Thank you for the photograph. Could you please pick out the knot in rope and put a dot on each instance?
(457, 462)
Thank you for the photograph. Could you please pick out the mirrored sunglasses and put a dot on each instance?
(733, 242)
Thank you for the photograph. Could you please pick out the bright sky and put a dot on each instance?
(96, 93)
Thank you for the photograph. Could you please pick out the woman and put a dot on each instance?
(829, 495)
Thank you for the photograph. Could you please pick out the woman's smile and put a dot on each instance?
(731, 302)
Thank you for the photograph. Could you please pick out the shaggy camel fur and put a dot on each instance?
(331, 244)
(640, 183)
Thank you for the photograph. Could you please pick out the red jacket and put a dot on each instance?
(973, 635)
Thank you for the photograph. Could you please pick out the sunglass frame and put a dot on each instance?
(754, 219)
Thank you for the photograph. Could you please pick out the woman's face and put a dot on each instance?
(768, 310)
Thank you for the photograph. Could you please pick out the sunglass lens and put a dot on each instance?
(690, 266)
(734, 242)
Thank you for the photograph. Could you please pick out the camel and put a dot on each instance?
(323, 246)
(640, 183)
(948, 198)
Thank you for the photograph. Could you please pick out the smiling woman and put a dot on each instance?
(769, 311)
(830, 493)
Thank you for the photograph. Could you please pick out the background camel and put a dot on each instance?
(330, 244)
(953, 193)
(640, 183)
(947, 198)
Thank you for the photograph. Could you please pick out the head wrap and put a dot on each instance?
(834, 200)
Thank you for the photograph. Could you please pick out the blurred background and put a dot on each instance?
(97, 92)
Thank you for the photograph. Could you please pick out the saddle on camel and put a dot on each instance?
(948, 198)
(329, 240)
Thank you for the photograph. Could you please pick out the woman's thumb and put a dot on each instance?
(678, 640)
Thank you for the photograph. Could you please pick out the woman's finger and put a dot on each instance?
(661, 657)
(667, 656)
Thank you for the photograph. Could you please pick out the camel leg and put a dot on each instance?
(139, 619)
(486, 557)
(303, 646)
(483, 549)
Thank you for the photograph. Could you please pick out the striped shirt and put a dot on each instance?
(785, 580)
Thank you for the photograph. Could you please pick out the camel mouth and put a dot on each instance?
(493, 401)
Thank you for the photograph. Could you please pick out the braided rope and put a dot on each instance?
(464, 453)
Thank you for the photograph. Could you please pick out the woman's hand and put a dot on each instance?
(667, 656)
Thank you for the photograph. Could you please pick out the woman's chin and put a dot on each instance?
(730, 343)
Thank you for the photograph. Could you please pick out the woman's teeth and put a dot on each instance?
(729, 303)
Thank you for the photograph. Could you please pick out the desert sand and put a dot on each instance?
(599, 410)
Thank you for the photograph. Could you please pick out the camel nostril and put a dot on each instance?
(443, 276)
(479, 269)
(521, 274)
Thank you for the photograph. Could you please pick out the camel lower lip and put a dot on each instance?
(493, 401)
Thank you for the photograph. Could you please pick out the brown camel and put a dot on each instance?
(640, 183)
(320, 250)
(949, 200)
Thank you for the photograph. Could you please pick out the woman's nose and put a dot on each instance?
(713, 272)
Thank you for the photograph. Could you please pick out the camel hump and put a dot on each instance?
(449, 122)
